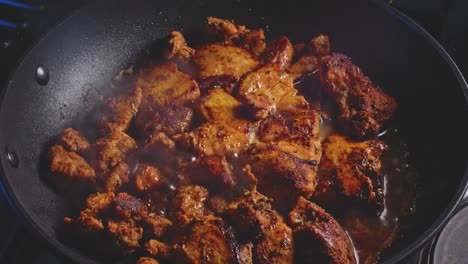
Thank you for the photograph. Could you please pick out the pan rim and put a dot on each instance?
(420, 240)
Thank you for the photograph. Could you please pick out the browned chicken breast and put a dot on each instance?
(318, 237)
(225, 62)
(74, 141)
(108, 151)
(128, 206)
(126, 235)
(317, 47)
(164, 84)
(159, 147)
(188, 204)
(223, 30)
(254, 219)
(280, 52)
(363, 107)
(254, 41)
(268, 90)
(99, 203)
(118, 111)
(170, 119)
(117, 177)
(350, 170)
(147, 178)
(177, 48)
(220, 106)
(158, 248)
(208, 241)
(212, 172)
(156, 225)
(71, 167)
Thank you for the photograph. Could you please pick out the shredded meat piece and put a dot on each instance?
(164, 84)
(107, 152)
(177, 47)
(318, 237)
(71, 167)
(363, 107)
(74, 141)
(350, 171)
(253, 218)
(280, 52)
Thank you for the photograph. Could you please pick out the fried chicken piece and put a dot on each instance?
(319, 46)
(303, 66)
(223, 61)
(220, 106)
(208, 241)
(117, 177)
(147, 178)
(245, 254)
(282, 175)
(157, 248)
(71, 167)
(145, 260)
(107, 152)
(126, 234)
(223, 30)
(164, 84)
(99, 203)
(188, 203)
(350, 169)
(171, 119)
(280, 52)
(156, 225)
(212, 172)
(178, 48)
(318, 237)
(254, 41)
(159, 148)
(215, 138)
(254, 219)
(118, 111)
(88, 225)
(269, 90)
(130, 207)
(74, 141)
(217, 204)
(364, 108)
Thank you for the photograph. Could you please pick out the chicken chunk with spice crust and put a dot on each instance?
(220, 64)
(147, 178)
(318, 237)
(126, 234)
(269, 90)
(146, 260)
(223, 30)
(364, 108)
(116, 178)
(127, 206)
(71, 167)
(254, 41)
(255, 220)
(218, 105)
(74, 141)
(177, 48)
(280, 52)
(108, 151)
(212, 172)
(188, 204)
(309, 61)
(164, 84)
(156, 225)
(209, 240)
(351, 171)
(118, 111)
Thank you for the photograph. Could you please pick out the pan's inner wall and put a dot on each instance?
(85, 51)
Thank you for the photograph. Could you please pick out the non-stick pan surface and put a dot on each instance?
(82, 53)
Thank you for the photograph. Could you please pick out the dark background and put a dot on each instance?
(446, 20)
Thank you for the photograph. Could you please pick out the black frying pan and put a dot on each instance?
(82, 53)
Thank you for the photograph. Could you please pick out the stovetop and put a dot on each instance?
(23, 23)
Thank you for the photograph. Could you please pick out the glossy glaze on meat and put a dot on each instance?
(216, 156)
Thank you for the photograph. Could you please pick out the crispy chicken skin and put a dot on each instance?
(177, 47)
(223, 30)
(318, 237)
(223, 61)
(188, 204)
(164, 84)
(212, 172)
(147, 178)
(118, 111)
(146, 260)
(254, 219)
(117, 177)
(172, 119)
(268, 90)
(108, 151)
(208, 241)
(350, 169)
(71, 167)
(74, 141)
(254, 41)
(363, 107)
(280, 52)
